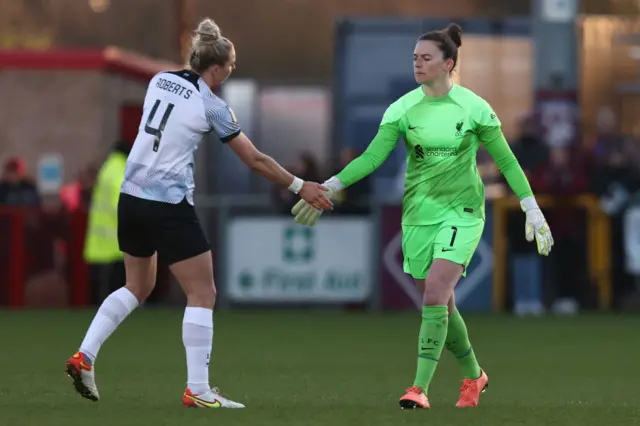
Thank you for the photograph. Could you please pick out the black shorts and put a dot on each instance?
(172, 230)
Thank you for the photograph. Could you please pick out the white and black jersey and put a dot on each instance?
(179, 109)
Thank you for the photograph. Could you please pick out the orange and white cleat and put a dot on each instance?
(471, 390)
(81, 370)
(414, 398)
(210, 399)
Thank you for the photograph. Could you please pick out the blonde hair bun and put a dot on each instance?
(207, 32)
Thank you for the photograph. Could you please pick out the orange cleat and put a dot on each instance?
(81, 371)
(471, 390)
(414, 398)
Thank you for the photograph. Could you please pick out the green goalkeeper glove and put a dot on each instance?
(309, 216)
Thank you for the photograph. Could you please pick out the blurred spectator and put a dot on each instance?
(75, 198)
(306, 168)
(76, 195)
(102, 251)
(354, 199)
(614, 180)
(526, 266)
(15, 188)
(529, 148)
(564, 175)
(564, 178)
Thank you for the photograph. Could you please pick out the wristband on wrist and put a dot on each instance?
(296, 185)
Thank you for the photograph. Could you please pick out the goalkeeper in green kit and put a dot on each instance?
(443, 216)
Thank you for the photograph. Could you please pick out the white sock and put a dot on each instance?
(112, 312)
(197, 337)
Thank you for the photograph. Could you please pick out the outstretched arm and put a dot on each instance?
(270, 169)
(378, 150)
(262, 163)
(375, 154)
(223, 122)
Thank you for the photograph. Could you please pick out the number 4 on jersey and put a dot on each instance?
(157, 132)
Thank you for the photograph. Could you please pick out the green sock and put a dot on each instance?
(458, 344)
(433, 333)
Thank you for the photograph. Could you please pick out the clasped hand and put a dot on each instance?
(308, 212)
(315, 196)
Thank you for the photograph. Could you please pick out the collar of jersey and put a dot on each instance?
(438, 98)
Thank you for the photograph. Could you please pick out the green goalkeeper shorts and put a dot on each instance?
(453, 240)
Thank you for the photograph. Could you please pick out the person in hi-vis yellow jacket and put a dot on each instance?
(101, 249)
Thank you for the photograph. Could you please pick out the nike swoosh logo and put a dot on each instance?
(214, 404)
(444, 249)
(412, 127)
(426, 349)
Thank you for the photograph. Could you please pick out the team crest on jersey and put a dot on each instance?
(459, 128)
(233, 116)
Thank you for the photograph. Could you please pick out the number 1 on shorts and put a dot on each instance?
(453, 237)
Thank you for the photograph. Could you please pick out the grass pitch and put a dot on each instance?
(321, 368)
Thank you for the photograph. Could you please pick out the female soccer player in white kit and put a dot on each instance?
(156, 213)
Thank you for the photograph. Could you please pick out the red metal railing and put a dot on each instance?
(17, 259)
(41, 251)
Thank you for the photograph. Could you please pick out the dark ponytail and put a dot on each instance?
(454, 31)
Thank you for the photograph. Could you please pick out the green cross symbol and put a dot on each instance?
(298, 244)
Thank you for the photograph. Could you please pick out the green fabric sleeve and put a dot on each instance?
(499, 149)
(378, 150)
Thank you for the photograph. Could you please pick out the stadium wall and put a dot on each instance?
(70, 102)
(53, 111)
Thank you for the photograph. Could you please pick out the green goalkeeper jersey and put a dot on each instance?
(442, 136)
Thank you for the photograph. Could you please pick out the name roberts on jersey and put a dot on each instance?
(173, 87)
